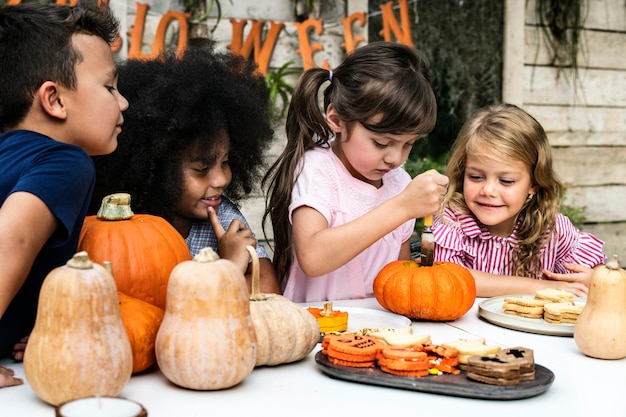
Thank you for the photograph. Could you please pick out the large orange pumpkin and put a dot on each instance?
(441, 292)
(144, 249)
(141, 321)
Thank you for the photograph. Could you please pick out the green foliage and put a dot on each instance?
(575, 213)
(280, 89)
(462, 40)
(200, 10)
(561, 22)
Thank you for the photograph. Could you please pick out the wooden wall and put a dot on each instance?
(585, 120)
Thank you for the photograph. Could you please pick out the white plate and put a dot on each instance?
(361, 318)
(491, 310)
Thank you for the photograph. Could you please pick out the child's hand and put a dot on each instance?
(577, 282)
(18, 350)
(232, 242)
(7, 379)
(424, 195)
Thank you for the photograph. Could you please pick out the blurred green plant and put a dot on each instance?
(561, 22)
(280, 89)
(575, 213)
(200, 10)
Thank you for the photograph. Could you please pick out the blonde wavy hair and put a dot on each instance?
(507, 132)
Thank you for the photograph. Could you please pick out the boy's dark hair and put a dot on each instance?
(182, 104)
(36, 46)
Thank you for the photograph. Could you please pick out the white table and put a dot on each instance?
(583, 386)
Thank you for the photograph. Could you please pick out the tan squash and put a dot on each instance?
(78, 347)
(206, 340)
(600, 330)
(285, 332)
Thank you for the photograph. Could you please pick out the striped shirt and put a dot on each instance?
(462, 240)
(202, 235)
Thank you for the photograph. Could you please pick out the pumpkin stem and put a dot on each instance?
(115, 207)
(206, 255)
(256, 294)
(613, 263)
(80, 260)
(108, 265)
(328, 309)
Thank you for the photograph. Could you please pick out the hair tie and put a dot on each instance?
(330, 75)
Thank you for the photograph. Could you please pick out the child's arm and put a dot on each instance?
(321, 249)
(490, 285)
(26, 224)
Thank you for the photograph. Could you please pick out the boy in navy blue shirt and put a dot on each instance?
(59, 105)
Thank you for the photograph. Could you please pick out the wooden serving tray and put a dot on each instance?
(445, 384)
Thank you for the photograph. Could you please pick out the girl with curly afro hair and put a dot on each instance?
(191, 147)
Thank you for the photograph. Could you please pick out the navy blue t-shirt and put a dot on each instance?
(63, 177)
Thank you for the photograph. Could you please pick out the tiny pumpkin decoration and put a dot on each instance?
(207, 339)
(78, 347)
(442, 292)
(600, 330)
(330, 320)
(142, 248)
(285, 332)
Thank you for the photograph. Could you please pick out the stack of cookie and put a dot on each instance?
(400, 336)
(403, 361)
(360, 351)
(352, 350)
(524, 306)
(508, 367)
(418, 361)
(553, 295)
(557, 313)
(552, 305)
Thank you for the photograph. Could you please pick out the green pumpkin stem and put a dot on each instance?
(115, 207)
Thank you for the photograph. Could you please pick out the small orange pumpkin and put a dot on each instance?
(442, 292)
(141, 321)
(144, 249)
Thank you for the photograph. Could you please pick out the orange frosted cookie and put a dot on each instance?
(351, 350)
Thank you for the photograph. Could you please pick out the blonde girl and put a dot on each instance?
(501, 219)
(340, 204)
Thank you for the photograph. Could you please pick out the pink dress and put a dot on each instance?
(466, 242)
(326, 185)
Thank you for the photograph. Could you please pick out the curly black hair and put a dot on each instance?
(177, 103)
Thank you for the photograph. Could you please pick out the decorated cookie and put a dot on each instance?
(351, 350)
(507, 367)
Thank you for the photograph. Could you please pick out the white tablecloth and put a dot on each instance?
(583, 386)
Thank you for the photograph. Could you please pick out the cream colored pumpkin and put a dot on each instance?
(78, 347)
(206, 340)
(600, 330)
(285, 332)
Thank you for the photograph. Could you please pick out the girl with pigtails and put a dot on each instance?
(341, 205)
